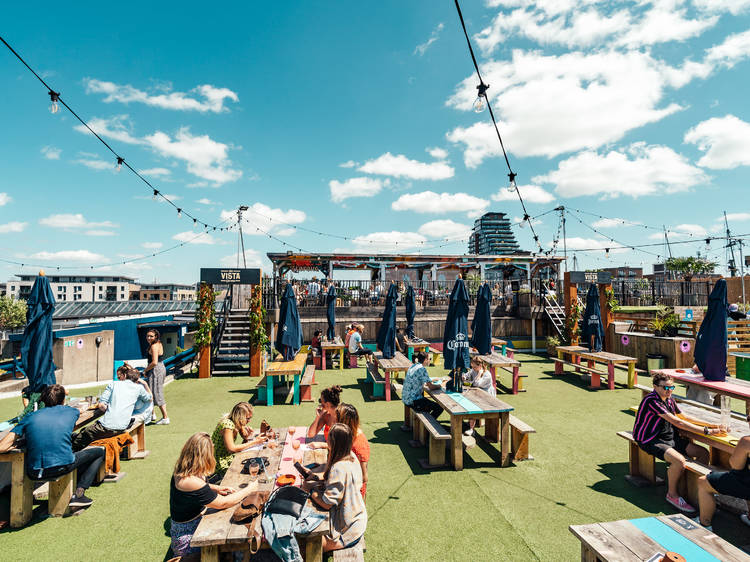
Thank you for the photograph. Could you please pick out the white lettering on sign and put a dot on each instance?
(230, 275)
(459, 341)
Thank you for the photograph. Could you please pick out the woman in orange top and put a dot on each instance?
(348, 415)
(325, 413)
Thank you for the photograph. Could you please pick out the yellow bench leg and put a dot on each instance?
(632, 377)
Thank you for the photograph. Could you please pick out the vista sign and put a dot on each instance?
(230, 276)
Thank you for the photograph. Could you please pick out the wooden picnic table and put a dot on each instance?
(216, 533)
(736, 388)
(415, 344)
(495, 360)
(333, 346)
(641, 539)
(397, 364)
(476, 404)
(577, 353)
(503, 345)
(279, 369)
(21, 486)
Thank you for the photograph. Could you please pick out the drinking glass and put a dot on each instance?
(726, 411)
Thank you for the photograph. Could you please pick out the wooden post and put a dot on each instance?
(204, 370)
(570, 296)
(607, 315)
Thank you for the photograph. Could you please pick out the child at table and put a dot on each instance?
(225, 435)
(190, 494)
(479, 377)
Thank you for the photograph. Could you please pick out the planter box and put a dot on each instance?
(204, 369)
(256, 363)
(641, 344)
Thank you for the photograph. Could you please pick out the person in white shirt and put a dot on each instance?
(355, 343)
(479, 377)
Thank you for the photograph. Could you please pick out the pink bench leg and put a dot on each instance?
(387, 386)
(494, 380)
(509, 352)
(558, 368)
(611, 376)
(323, 360)
(577, 361)
(595, 380)
(516, 378)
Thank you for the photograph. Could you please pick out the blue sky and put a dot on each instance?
(355, 119)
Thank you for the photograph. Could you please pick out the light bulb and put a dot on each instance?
(708, 244)
(522, 223)
(479, 104)
(119, 164)
(54, 107)
(179, 213)
(606, 253)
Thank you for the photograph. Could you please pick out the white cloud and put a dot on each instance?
(421, 49)
(739, 217)
(725, 141)
(15, 226)
(69, 255)
(613, 223)
(389, 241)
(732, 6)
(205, 157)
(638, 170)
(444, 228)
(5, 199)
(192, 237)
(530, 193)
(213, 97)
(51, 152)
(99, 233)
(349, 164)
(440, 203)
(438, 153)
(681, 231)
(548, 105)
(95, 163)
(70, 221)
(579, 243)
(260, 217)
(156, 172)
(354, 187)
(152, 245)
(206, 201)
(400, 166)
(252, 257)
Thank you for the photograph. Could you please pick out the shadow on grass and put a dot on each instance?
(392, 435)
(647, 498)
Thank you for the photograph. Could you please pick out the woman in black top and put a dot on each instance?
(190, 494)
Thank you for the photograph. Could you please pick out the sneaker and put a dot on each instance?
(745, 518)
(163, 421)
(680, 504)
(80, 501)
(697, 521)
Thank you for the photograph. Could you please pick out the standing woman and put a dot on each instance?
(155, 372)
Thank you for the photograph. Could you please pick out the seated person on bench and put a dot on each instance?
(655, 432)
(479, 377)
(415, 381)
(325, 413)
(118, 402)
(315, 343)
(49, 453)
(143, 409)
(355, 343)
(735, 482)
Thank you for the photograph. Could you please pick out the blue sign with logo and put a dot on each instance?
(689, 314)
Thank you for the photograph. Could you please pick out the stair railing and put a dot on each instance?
(221, 322)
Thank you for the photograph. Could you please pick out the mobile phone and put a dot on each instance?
(306, 474)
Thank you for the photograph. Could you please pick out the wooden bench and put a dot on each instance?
(351, 554)
(137, 449)
(306, 384)
(436, 357)
(377, 380)
(519, 439)
(437, 437)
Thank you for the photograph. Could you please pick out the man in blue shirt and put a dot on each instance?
(49, 452)
(118, 401)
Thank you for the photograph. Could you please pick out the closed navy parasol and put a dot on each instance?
(455, 336)
(289, 336)
(387, 331)
(592, 331)
(331, 312)
(481, 325)
(711, 343)
(411, 310)
(36, 346)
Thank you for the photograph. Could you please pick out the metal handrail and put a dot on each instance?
(226, 307)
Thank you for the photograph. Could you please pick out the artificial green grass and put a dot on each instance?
(482, 513)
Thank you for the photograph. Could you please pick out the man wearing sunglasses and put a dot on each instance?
(654, 431)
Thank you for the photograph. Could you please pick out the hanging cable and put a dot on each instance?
(56, 100)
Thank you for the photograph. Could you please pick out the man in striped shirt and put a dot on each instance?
(655, 432)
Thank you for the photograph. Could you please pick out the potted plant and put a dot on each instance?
(671, 324)
(258, 336)
(657, 326)
(552, 343)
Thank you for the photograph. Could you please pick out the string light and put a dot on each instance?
(179, 213)
(156, 194)
(480, 103)
(708, 244)
(54, 106)
(120, 162)
(606, 253)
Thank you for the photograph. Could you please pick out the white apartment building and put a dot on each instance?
(74, 288)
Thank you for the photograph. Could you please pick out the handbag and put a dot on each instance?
(287, 500)
(250, 507)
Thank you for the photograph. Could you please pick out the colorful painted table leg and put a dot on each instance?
(632, 376)
(387, 386)
(611, 375)
(323, 360)
(503, 349)
(516, 380)
(409, 352)
(269, 390)
(494, 382)
(595, 380)
(509, 352)
(295, 399)
(341, 359)
(558, 365)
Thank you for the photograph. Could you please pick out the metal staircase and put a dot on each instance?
(232, 355)
(556, 313)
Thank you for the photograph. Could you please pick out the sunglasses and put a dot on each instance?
(670, 387)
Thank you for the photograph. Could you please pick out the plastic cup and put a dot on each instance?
(295, 444)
